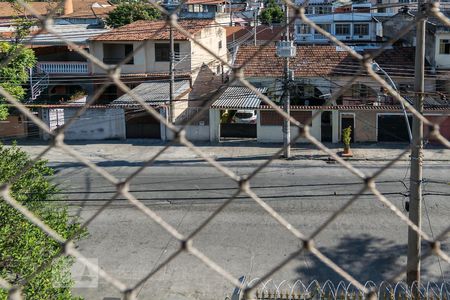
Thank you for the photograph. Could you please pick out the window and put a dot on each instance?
(162, 51)
(360, 91)
(361, 29)
(309, 10)
(323, 10)
(195, 8)
(304, 29)
(326, 27)
(444, 46)
(115, 53)
(220, 45)
(342, 29)
(198, 8)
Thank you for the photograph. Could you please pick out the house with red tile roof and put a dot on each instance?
(319, 71)
(150, 39)
(149, 43)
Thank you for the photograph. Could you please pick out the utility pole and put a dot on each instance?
(172, 73)
(255, 23)
(287, 99)
(231, 15)
(287, 50)
(415, 198)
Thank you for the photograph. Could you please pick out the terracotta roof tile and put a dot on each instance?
(211, 2)
(263, 32)
(152, 30)
(353, 107)
(316, 61)
(81, 9)
(7, 11)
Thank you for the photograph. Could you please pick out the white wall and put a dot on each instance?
(194, 133)
(162, 66)
(274, 134)
(144, 59)
(442, 60)
(210, 38)
(214, 125)
(94, 124)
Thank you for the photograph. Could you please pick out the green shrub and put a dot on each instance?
(272, 13)
(129, 12)
(23, 246)
(347, 136)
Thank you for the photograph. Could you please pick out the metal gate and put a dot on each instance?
(235, 130)
(392, 128)
(143, 126)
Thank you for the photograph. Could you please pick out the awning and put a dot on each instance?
(154, 93)
(238, 97)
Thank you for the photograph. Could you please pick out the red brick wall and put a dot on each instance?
(13, 127)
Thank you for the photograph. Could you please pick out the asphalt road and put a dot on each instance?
(367, 240)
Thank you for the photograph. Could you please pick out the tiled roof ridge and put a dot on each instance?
(318, 60)
(153, 30)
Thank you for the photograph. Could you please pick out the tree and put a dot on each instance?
(15, 73)
(272, 13)
(127, 13)
(23, 246)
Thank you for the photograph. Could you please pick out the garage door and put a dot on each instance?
(143, 126)
(392, 128)
(235, 130)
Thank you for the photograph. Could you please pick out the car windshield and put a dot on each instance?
(243, 115)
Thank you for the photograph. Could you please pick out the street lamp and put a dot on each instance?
(376, 68)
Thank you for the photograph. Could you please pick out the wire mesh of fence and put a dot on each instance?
(243, 183)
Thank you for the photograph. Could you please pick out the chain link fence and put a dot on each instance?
(186, 242)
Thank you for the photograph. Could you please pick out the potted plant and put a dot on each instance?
(346, 139)
(79, 96)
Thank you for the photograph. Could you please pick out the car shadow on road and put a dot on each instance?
(365, 257)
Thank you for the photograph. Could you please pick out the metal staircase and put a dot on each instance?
(39, 80)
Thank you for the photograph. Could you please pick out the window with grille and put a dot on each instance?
(304, 29)
(444, 46)
(323, 10)
(326, 27)
(361, 29)
(115, 53)
(162, 51)
(342, 29)
(360, 91)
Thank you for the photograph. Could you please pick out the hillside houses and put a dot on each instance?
(64, 79)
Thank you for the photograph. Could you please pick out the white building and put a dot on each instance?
(355, 24)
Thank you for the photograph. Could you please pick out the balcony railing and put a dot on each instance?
(53, 67)
(318, 36)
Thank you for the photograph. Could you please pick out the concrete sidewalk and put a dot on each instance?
(138, 150)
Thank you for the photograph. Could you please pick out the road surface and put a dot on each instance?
(367, 240)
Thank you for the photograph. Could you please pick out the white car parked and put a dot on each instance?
(245, 116)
